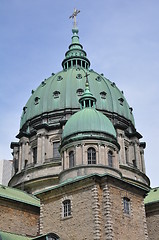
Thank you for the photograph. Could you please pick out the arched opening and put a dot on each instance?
(79, 63)
(67, 208)
(126, 202)
(91, 155)
(110, 159)
(71, 159)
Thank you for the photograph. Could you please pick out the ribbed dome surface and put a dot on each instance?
(88, 120)
(63, 90)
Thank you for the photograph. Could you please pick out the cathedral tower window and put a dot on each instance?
(103, 95)
(36, 100)
(15, 164)
(110, 159)
(91, 155)
(80, 91)
(66, 208)
(56, 94)
(126, 154)
(35, 155)
(56, 154)
(71, 159)
(134, 163)
(126, 202)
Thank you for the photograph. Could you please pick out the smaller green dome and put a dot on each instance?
(89, 121)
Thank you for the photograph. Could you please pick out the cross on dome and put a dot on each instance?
(75, 13)
(86, 76)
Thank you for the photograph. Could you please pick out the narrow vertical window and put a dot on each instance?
(35, 155)
(110, 159)
(71, 159)
(134, 163)
(91, 155)
(126, 202)
(56, 154)
(126, 154)
(66, 208)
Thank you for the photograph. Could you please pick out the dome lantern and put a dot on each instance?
(75, 56)
(87, 99)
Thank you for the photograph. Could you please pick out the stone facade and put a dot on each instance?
(96, 208)
(19, 218)
(91, 182)
(41, 171)
(152, 218)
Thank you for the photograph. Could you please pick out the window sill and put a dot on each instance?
(65, 218)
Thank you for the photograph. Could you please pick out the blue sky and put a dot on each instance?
(121, 38)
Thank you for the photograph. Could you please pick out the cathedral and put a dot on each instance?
(78, 167)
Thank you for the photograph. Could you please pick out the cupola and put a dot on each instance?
(75, 56)
(88, 122)
(87, 138)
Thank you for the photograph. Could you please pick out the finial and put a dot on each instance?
(87, 83)
(87, 99)
(74, 16)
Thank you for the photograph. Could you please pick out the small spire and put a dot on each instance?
(87, 99)
(74, 15)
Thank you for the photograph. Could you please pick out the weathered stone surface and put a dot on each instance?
(97, 211)
(18, 218)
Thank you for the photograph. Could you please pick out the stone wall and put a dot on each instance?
(18, 218)
(152, 218)
(124, 226)
(97, 211)
(152, 225)
(79, 225)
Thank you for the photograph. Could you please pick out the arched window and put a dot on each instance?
(110, 159)
(66, 208)
(56, 154)
(52, 236)
(91, 155)
(71, 159)
(126, 202)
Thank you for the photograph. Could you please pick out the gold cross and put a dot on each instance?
(86, 76)
(74, 16)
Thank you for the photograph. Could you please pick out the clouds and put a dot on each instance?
(120, 37)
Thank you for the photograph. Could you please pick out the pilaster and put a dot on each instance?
(96, 213)
(108, 227)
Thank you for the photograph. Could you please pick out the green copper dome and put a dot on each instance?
(62, 91)
(88, 120)
(153, 196)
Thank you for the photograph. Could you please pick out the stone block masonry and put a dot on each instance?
(18, 218)
(97, 210)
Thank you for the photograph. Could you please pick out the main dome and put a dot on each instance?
(52, 120)
(63, 90)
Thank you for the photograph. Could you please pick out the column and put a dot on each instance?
(39, 150)
(20, 157)
(23, 155)
(43, 149)
(136, 155)
(99, 154)
(64, 160)
(142, 161)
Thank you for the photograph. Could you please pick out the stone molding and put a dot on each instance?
(108, 227)
(96, 213)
